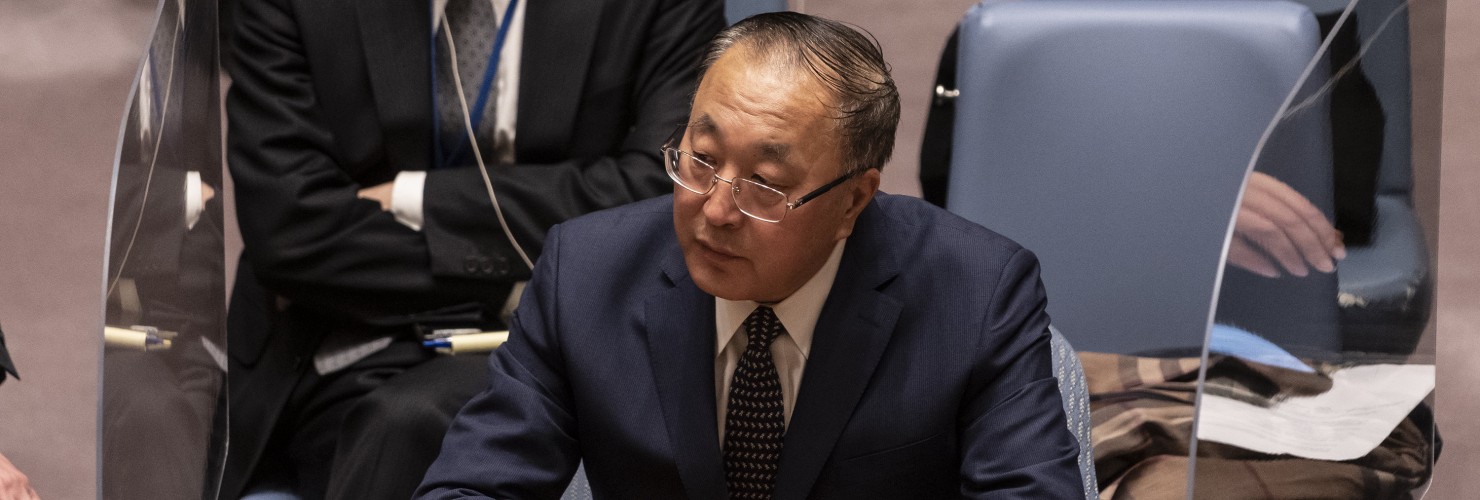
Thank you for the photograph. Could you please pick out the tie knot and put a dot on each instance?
(762, 327)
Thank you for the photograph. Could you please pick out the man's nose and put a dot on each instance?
(720, 208)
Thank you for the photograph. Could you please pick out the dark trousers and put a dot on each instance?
(160, 432)
(370, 431)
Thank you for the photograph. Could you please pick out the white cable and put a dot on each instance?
(473, 140)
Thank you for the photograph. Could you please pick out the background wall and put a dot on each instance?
(65, 69)
(1459, 257)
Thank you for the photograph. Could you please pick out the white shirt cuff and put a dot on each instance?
(195, 203)
(406, 198)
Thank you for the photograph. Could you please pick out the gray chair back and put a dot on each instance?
(1387, 285)
(1112, 138)
(735, 10)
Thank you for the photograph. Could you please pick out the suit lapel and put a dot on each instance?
(397, 58)
(559, 37)
(681, 346)
(851, 335)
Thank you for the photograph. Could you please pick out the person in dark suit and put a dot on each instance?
(774, 329)
(365, 215)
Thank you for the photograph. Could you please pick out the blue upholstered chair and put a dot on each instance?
(735, 10)
(1387, 284)
(1112, 139)
(579, 488)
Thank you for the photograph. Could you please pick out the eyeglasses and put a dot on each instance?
(754, 199)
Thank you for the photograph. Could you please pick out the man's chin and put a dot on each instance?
(714, 281)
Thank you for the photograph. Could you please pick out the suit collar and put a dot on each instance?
(680, 323)
(855, 326)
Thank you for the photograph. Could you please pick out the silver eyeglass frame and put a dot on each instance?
(670, 152)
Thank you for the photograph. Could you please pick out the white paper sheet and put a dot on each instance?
(1362, 408)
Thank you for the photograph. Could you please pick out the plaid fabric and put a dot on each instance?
(1142, 412)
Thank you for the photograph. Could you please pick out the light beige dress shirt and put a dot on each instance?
(798, 314)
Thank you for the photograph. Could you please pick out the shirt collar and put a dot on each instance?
(798, 313)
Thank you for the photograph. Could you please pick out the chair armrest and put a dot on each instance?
(1387, 286)
(1075, 392)
(1392, 265)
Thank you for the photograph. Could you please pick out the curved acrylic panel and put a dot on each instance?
(163, 423)
(1313, 384)
(1114, 140)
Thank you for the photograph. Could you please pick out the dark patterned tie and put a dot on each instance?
(755, 419)
(473, 25)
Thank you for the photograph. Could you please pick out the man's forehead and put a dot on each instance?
(705, 125)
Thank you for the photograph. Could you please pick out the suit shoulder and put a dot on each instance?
(652, 211)
(938, 230)
(641, 225)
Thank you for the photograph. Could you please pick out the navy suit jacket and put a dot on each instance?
(929, 376)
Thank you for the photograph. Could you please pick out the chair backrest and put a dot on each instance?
(579, 488)
(735, 10)
(1075, 391)
(1112, 138)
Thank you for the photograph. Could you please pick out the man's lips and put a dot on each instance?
(716, 251)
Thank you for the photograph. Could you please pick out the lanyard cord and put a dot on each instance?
(489, 72)
(468, 126)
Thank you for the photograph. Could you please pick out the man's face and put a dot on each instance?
(769, 124)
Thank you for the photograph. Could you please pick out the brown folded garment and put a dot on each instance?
(1142, 412)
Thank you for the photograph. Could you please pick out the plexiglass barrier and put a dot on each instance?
(163, 421)
(1226, 357)
(1314, 384)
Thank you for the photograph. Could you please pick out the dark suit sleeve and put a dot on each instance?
(535, 196)
(307, 235)
(516, 439)
(1015, 441)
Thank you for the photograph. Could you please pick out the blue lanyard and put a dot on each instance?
(476, 113)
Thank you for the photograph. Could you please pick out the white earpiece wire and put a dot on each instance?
(473, 140)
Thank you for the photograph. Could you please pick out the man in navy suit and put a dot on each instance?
(774, 329)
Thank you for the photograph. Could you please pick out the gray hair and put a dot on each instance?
(850, 65)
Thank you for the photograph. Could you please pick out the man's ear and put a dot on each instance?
(860, 193)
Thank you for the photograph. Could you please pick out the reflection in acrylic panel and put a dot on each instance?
(1316, 384)
(163, 426)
